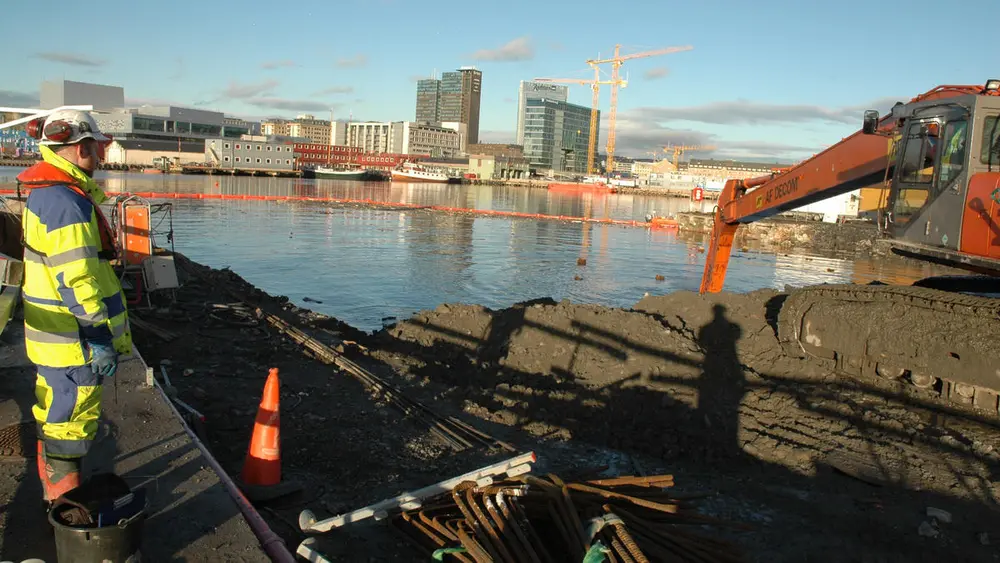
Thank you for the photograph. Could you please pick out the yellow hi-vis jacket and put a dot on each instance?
(71, 295)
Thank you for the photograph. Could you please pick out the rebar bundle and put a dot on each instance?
(545, 520)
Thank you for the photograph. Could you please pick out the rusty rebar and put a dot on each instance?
(481, 532)
(472, 547)
(677, 542)
(651, 481)
(515, 527)
(622, 532)
(505, 530)
(668, 508)
(449, 429)
(618, 549)
(487, 525)
(496, 523)
(439, 540)
(534, 539)
(571, 527)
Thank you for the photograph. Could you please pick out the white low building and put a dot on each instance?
(249, 153)
(141, 152)
(405, 137)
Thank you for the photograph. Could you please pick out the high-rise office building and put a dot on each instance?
(530, 90)
(428, 90)
(455, 98)
(556, 135)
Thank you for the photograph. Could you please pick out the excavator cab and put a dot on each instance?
(942, 203)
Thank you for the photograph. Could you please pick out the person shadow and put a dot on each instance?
(722, 384)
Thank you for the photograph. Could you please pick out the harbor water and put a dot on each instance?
(369, 266)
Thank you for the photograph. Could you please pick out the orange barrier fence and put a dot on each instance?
(378, 203)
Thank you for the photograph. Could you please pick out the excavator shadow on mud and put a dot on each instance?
(937, 158)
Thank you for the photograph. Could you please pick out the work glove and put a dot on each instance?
(103, 359)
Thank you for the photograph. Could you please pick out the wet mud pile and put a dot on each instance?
(822, 468)
(702, 380)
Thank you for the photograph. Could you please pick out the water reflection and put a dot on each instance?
(365, 264)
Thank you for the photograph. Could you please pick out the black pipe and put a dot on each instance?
(273, 545)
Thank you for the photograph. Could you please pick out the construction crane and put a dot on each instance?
(678, 150)
(595, 85)
(616, 63)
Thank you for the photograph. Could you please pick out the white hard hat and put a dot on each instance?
(69, 126)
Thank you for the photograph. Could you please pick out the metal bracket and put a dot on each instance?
(11, 271)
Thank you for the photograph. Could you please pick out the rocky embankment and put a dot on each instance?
(822, 468)
(786, 235)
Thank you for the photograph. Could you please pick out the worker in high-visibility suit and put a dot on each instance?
(75, 319)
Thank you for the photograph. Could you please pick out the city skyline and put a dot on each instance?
(752, 93)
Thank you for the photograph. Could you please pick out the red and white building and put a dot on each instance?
(309, 154)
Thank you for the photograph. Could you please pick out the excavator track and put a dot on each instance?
(927, 342)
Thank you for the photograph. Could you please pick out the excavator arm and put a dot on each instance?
(934, 339)
(859, 160)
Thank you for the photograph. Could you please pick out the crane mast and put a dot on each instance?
(616, 63)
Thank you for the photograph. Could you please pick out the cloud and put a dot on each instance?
(556, 46)
(271, 65)
(519, 49)
(745, 112)
(654, 73)
(637, 138)
(70, 59)
(235, 90)
(334, 90)
(356, 61)
(10, 98)
(285, 104)
(504, 137)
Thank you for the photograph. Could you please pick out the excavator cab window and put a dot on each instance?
(991, 142)
(918, 163)
(917, 169)
(953, 152)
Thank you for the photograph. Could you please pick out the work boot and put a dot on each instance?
(58, 476)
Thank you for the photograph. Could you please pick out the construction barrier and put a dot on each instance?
(372, 203)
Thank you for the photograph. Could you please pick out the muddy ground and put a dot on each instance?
(825, 469)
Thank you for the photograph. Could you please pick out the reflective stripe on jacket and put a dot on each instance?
(71, 295)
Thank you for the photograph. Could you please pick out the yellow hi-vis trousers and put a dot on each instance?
(67, 410)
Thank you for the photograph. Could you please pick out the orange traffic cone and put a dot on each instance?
(263, 462)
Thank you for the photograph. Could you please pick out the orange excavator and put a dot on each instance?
(938, 158)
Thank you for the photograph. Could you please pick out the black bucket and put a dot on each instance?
(114, 535)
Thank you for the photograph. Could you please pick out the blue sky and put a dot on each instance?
(768, 79)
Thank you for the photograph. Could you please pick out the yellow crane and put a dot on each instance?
(616, 63)
(595, 85)
(678, 150)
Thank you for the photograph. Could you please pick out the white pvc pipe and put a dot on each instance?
(411, 500)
